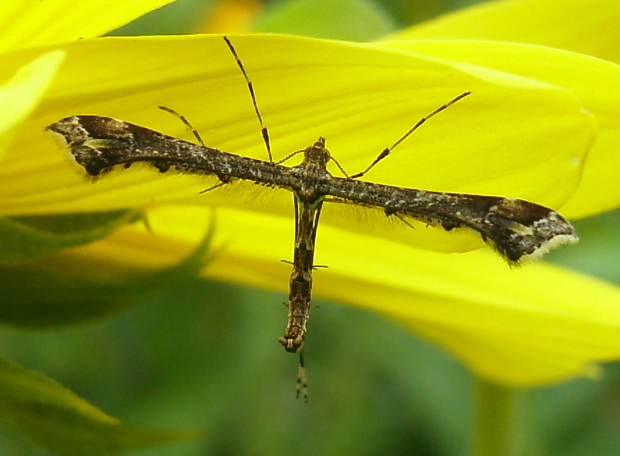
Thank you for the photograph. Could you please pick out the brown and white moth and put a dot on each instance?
(518, 230)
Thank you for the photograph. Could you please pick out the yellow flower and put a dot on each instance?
(541, 125)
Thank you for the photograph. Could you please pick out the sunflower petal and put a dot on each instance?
(597, 191)
(23, 92)
(374, 96)
(28, 24)
(561, 25)
(521, 327)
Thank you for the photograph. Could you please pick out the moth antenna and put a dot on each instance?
(186, 122)
(264, 131)
(387, 150)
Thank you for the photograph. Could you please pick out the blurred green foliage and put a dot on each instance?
(204, 355)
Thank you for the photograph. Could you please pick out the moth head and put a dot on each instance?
(317, 153)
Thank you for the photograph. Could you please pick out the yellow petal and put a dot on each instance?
(25, 23)
(23, 92)
(513, 137)
(521, 327)
(598, 189)
(584, 26)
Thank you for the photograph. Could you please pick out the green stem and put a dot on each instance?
(496, 421)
